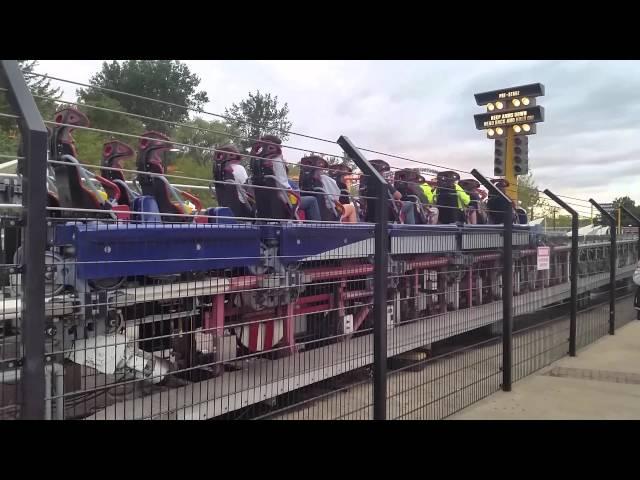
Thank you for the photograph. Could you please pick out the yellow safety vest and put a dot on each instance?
(463, 197)
(428, 192)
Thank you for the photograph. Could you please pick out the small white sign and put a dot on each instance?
(347, 324)
(544, 254)
(390, 316)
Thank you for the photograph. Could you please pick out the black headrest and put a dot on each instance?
(267, 145)
(449, 175)
(314, 160)
(227, 153)
(469, 184)
(380, 165)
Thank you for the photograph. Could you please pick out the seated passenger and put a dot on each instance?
(238, 195)
(482, 214)
(268, 170)
(399, 211)
(308, 204)
(339, 173)
(450, 198)
(170, 200)
(496, 204)
(471, 186)
(428, 191)
(326, 190)
(407, 182)
(345, 211)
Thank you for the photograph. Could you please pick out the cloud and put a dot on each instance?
(423, 110)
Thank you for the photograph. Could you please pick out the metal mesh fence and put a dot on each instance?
(175, 297)
(11, 349)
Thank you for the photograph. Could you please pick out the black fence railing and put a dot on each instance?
(33, 138)
(360, 291)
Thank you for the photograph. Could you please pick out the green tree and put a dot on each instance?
(166, 80)
(97, 107)
(528, 194)
(8, 147)
(630, 205)
(341, 161)
(90, 143)
(45, 97)
(205, 136)
(258, 115)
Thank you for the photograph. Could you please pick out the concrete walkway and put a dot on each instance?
(601, 383)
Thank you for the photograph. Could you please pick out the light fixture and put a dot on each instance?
(491, 132)
(526, 127)
(499, 131)
(517, 129)
(516, 102)
(499, 105)
(490, 107)
(525, 101)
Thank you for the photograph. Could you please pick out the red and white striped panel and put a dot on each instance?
(261, 335)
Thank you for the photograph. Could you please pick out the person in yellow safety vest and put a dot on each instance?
(463, 197)
(429, 193)
(426, 189)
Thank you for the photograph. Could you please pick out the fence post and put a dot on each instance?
(380, 278)
(636, 220)
(34, 183)
(507, 282)
(613, 264)
(574, 271)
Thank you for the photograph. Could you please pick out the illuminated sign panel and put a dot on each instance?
(531, 90)
(512, 117)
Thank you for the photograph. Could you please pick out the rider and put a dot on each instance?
(338, 173)
(426, 189)
(308, 204)
(451, 198)
(496, 204)
(239, 174)
(407, 210)
(348, 214)
(471, 188)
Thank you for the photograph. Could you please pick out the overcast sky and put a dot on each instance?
(588, 145)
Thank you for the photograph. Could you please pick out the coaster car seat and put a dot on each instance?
(522, 216)
(447, 197)
(114, 153)
(407, 182)
(268, 170)
(170, 200)
(311, 180)
(496, 204)
(230, 194)
(77, 187)
(368, 205)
